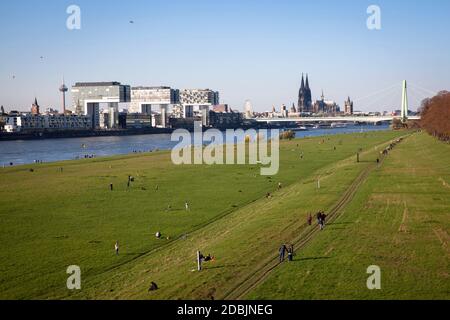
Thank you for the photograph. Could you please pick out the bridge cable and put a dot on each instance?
(377, 93)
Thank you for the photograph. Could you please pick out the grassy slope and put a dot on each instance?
(240, 241)
(399, 220)
(50, 220)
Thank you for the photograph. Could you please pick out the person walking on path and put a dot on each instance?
(324, 218)
(186, 205)
(282, 252)
(291, 252)
(111, 187)
(320, 220)
(310, 219)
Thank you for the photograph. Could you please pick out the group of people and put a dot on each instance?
(88, 156)
(321, 219)
(289, 249)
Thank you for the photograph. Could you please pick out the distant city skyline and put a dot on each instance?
(252, 50)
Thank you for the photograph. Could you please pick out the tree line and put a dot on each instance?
(435, 116)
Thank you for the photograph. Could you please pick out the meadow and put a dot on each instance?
(62, 214)
(399, 220)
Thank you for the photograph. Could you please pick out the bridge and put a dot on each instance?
(391, 93)
(342, 119)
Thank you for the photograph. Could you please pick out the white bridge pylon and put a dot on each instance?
(404, 102)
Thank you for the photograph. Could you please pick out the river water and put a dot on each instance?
(28, 151)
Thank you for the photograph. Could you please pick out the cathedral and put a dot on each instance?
(304, 97)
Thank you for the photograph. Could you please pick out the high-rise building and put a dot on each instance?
(89, 96)
(199, 97)
(198, 102)
(305, 97)
(143, 98)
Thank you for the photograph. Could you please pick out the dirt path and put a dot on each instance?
(261, 274)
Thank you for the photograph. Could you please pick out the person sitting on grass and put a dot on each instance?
(208, 258)
(153, 287)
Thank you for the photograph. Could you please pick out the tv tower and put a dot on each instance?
(63, 89)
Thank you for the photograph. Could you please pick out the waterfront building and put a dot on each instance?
(3, 119)
(146, 99)
(88, 97)
(284, 111)
(348, 109)
(48, 122)
(226, 119)
(35, 108)
(199, 97)
(223, 108)
(139, 121)
(104, 119)
(304, 97)
(198, 102)
(248, 110)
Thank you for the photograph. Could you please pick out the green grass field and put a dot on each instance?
(52, 219)
(399, 221)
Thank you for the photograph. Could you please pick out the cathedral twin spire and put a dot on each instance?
(305, 97)
(305, 86)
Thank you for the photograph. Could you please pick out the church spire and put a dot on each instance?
(303, 82)
(307, 82)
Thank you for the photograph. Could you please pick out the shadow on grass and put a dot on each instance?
(223, 266)
(311, 258)
(340, 223)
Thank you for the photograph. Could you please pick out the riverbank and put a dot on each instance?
(229, 214)
(21, 152)
(80, 134)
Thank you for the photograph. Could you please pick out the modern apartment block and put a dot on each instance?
(48, 122)
(88, 97)
(199, 97)
(198, 102)
(144, 98)
(148, 100)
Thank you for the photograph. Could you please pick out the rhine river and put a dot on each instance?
(50, 150)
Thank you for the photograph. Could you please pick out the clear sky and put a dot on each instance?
(246, 49)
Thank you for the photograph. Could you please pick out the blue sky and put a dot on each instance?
(246, 49)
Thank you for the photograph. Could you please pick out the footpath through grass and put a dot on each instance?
(53, 218)
(399, 221)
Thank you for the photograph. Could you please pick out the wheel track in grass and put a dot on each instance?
(264, 270)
